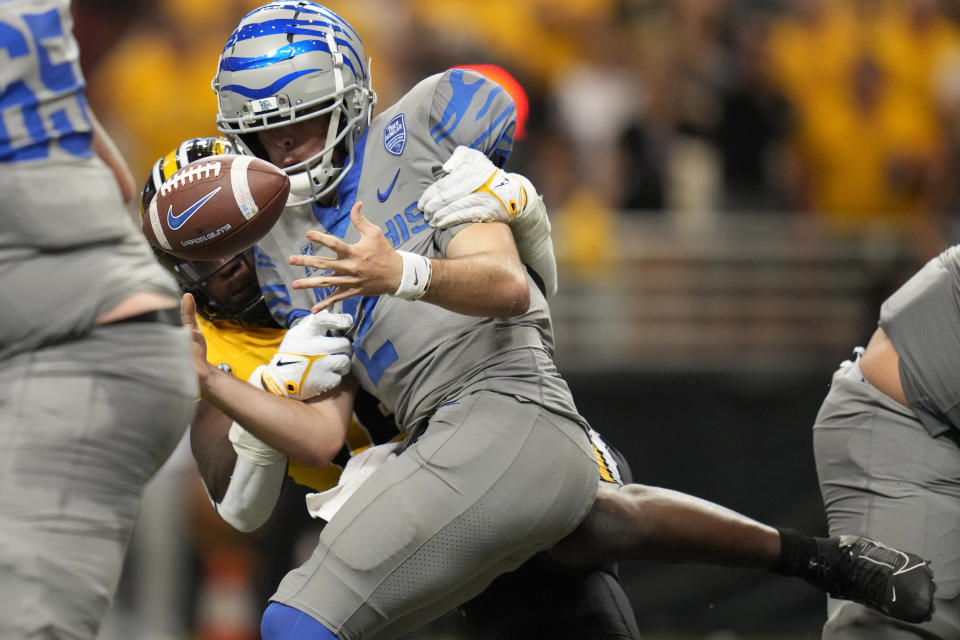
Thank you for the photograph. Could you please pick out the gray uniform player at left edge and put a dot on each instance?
(96, 385)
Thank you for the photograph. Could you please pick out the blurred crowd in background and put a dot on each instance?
(847, 109)
(842, 111)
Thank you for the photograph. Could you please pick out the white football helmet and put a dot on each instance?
(291, 61)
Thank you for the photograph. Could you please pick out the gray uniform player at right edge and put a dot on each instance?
(96, 385)
(450, 333)
(887, 446)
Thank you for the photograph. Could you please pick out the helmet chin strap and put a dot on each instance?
(333, 126)
(309, 185)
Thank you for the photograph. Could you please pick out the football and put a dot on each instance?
(216, 207)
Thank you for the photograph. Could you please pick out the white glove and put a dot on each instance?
(308, 361)
(475, 190)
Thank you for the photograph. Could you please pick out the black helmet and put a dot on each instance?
(225, 289)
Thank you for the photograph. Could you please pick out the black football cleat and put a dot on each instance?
(894, 582)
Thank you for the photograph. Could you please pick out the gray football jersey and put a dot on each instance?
(64, 231)
(922, 319)
(412, 355)
(56, 192)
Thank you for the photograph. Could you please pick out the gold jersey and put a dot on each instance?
(239, 350)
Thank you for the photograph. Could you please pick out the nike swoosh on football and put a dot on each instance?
(177, 221)
(382, 197)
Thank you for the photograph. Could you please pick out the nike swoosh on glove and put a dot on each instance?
(309, 361)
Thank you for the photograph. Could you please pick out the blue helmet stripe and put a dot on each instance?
(333, 16)
(283, 26)
(292, 27)
(269, 90)
(280, 6)
(235, 63)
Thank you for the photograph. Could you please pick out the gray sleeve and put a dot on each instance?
(470, 110)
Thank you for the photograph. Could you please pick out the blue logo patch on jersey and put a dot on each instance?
(395, 135)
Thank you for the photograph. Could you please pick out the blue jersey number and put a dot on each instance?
(377, 362)
(59, 78)
(399, 228)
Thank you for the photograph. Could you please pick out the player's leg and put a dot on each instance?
(489, 483)
(653, 523)
(544, 599)
(882, 475)
(83, 425)
(640, 522)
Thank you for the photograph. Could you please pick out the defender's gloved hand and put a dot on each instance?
(308, 361)
(475, 190)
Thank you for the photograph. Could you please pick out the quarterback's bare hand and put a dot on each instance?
(188, 316)
(369, 267)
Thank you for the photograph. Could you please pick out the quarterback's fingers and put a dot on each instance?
(188, 311)
(331, 242)
(326, 280)
(314, 262)
(313, 282)
(336, 296)
(357, 219)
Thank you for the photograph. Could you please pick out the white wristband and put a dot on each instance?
(417, 271)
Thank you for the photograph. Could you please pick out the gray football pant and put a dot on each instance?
(83, 425)
(883, 476)
(491, 481)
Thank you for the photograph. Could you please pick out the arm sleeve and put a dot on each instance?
(252, 493)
